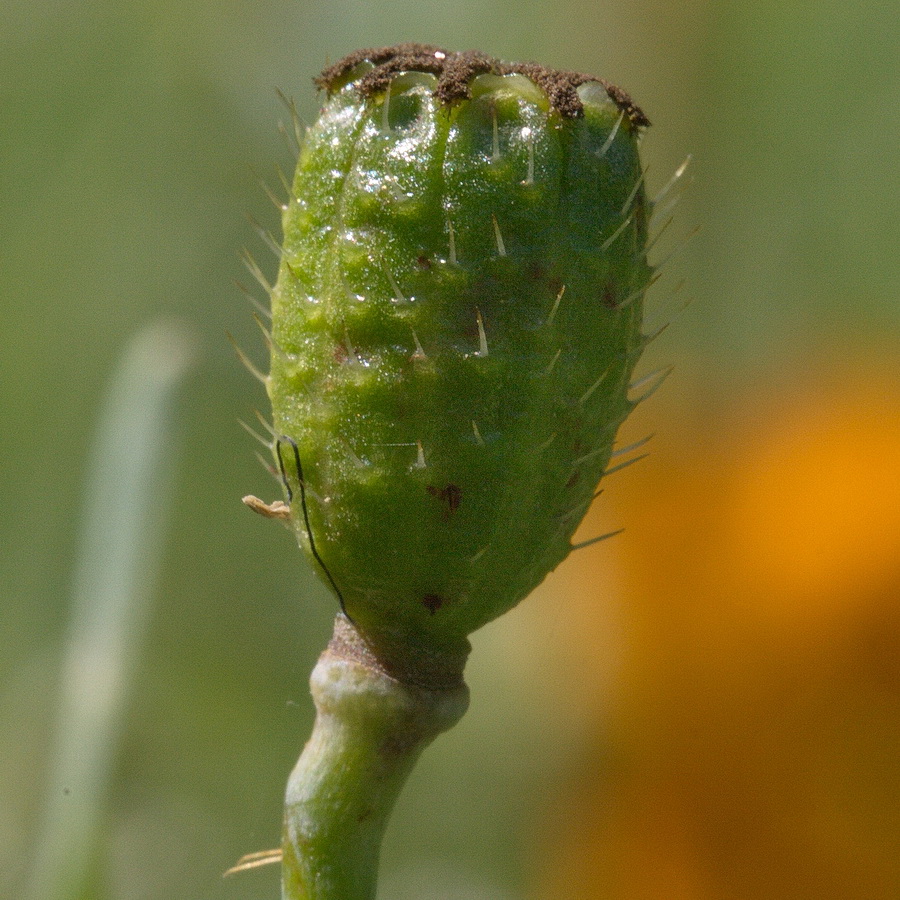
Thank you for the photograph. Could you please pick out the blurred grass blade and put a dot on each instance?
(128, 493)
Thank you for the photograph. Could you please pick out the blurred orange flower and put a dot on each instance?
(753, 748)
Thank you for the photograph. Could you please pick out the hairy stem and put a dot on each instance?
(369, 731)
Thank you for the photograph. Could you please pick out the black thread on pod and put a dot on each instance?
(312, 544)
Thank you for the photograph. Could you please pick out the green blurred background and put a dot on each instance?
(130, 135)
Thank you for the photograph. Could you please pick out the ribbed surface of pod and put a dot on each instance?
(455, 325)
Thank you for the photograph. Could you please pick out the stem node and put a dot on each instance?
(370, 730)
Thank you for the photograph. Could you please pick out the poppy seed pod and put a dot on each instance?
(454, 328)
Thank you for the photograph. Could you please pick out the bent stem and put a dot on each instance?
(369, 731)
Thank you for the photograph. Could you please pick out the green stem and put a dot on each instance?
(370, 729)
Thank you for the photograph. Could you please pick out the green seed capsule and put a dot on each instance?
(455, 324)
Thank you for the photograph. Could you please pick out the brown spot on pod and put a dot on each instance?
(610, 301)
(432, 602)
(450, 497)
